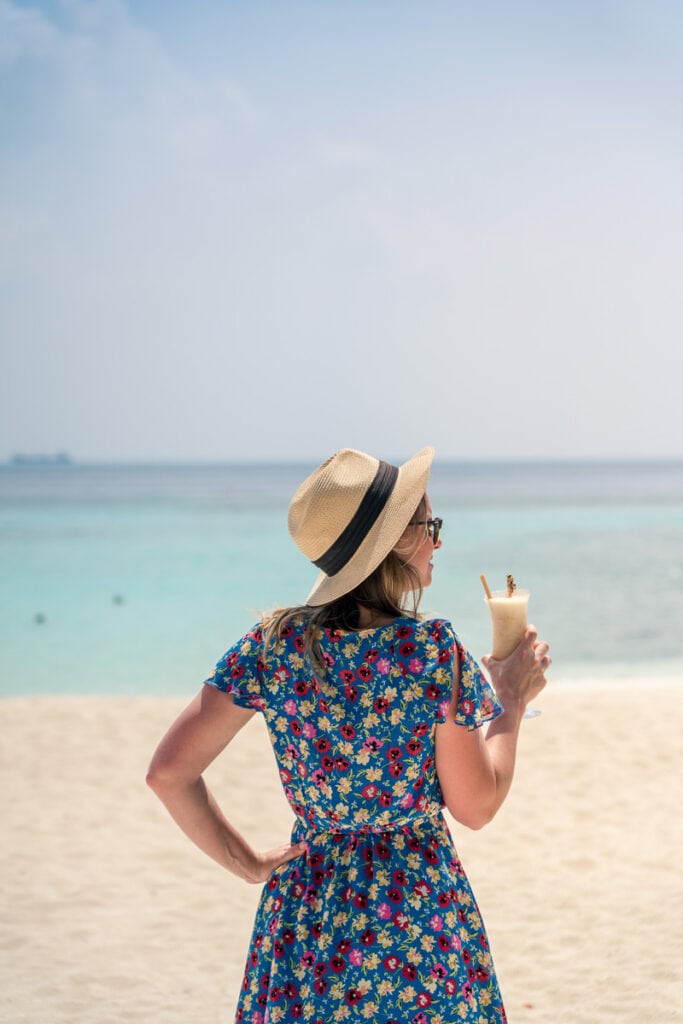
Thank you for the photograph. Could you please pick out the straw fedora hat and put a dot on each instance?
(350, 512)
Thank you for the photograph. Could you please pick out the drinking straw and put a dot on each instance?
(485, 586)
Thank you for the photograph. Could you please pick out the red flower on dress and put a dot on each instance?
(353, 996)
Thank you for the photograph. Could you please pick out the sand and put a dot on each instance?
(111, 915)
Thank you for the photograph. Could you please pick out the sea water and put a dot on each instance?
(134, 579)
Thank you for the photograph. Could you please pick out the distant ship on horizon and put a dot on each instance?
(40, 459)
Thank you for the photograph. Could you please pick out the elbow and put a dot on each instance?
(160, 778)
(153, 780)
(166, 776)
(474, 817)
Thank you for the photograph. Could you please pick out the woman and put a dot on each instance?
(374, 717)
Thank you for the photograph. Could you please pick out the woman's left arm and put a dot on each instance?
(194, 740)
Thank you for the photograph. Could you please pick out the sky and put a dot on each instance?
(268, 230)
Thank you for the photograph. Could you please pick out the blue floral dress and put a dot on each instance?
(377, 922)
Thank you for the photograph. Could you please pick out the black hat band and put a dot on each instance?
(365, 517)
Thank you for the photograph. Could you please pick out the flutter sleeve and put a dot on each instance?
(477, 701)
(239, 671)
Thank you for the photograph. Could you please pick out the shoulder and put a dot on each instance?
(436, 631)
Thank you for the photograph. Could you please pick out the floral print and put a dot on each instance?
(377, 921)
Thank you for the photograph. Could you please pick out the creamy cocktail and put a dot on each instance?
(509, 618)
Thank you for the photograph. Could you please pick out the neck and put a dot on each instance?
(370, 617)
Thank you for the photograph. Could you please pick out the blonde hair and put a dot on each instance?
(386, 592)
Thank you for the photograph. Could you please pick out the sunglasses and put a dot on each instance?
(433, 527)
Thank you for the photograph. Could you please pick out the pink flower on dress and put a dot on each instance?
(436, 923)
(415, 665)
(407, 801)
(290, 707)
(356, 957)
(372, 744)
(383, 666)
(444, 708)
(384, 911)
(309, 730)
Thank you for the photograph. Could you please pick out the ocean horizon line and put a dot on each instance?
(28, 462)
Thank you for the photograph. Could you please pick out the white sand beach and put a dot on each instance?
(110, 915)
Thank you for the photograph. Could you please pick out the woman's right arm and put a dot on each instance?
(194, 740)
(475, 772)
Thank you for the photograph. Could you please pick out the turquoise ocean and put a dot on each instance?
(133, 579)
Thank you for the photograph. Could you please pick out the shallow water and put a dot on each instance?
(143, 575)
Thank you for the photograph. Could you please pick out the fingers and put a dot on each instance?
(292, 852)
(541, 654)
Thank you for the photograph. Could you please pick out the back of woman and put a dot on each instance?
(373, 716)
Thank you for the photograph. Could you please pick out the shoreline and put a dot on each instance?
(111, 914)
